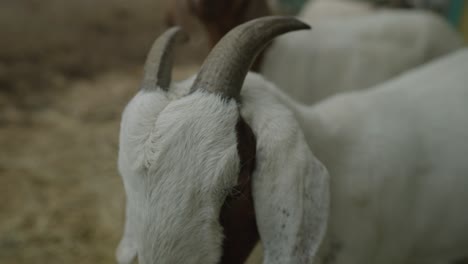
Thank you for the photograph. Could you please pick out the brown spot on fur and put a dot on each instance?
(238, 214)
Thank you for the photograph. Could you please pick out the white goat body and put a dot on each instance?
(396, 155)
(340, 55)
(315, 11)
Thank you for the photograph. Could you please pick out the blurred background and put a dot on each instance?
(67, 69)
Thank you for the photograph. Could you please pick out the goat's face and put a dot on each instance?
(187, 156)
(183, 164)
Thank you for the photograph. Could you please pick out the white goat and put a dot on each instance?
(315, 11)
(355, 53)
(338, 54)
(200, 159)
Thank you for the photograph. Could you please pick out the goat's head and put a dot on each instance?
(192, 165)
(217, 17)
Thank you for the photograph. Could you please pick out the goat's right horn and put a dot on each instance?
(158, 65)
(227, 65)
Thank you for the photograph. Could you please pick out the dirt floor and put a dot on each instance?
(62, 198)
(67, 69)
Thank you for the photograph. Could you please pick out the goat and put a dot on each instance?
(318, 10)
(215, 162)
(338, 55)
(286, 7)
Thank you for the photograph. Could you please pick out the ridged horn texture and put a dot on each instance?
(158, 65)
(227, 65)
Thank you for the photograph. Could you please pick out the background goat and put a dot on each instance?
(338, 54)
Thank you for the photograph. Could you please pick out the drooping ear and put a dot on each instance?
(291, 197)
(290, 187)
(127, 249)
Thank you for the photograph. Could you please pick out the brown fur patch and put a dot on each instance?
(238, 214)
(218, 17)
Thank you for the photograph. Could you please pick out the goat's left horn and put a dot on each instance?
(158, 65)
(227, 65)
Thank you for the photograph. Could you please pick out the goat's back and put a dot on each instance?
(400, 178)
(338, 55)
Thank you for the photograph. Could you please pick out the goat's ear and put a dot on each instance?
(291, 194)
(127, 249)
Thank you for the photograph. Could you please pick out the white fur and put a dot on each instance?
(290, 185)
(315, 11)
(396, 155)
(177, 159)
(356, 52)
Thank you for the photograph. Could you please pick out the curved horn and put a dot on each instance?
(227, 65)
(158, 65)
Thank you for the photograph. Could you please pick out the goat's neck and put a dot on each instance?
(321, 134)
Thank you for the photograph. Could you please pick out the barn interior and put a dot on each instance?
(67, 70)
